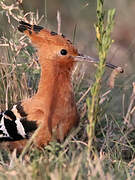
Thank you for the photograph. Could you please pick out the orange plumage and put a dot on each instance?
(53, 107)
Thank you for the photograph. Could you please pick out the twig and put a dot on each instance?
(59, 22)
(82, 97)
(9, 10)
(74, 33)
(9, 72)
(127, 117)
(4, 45)
(6, 98)
(103, 97)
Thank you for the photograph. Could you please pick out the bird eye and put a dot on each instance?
(63, 52)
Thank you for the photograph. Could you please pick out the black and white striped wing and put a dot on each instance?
(12, 128)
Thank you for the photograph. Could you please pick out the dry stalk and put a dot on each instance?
(83, 96)
(127, 117)
(59, 22)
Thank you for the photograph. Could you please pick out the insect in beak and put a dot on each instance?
(83, 58)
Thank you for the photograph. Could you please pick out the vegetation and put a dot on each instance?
(103, 43)
(102, 146)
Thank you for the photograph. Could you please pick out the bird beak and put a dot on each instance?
(83, 58)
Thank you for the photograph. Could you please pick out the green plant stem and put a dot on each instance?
(104, 41)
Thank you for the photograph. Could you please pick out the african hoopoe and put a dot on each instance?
(53, 106)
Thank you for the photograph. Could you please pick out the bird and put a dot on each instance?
(53, 107)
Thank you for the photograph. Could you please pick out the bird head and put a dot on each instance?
(55, 48)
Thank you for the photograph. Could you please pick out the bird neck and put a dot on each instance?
(53, 76)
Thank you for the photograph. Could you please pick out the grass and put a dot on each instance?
(113, 131)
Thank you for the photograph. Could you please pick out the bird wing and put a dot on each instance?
(13, 128)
